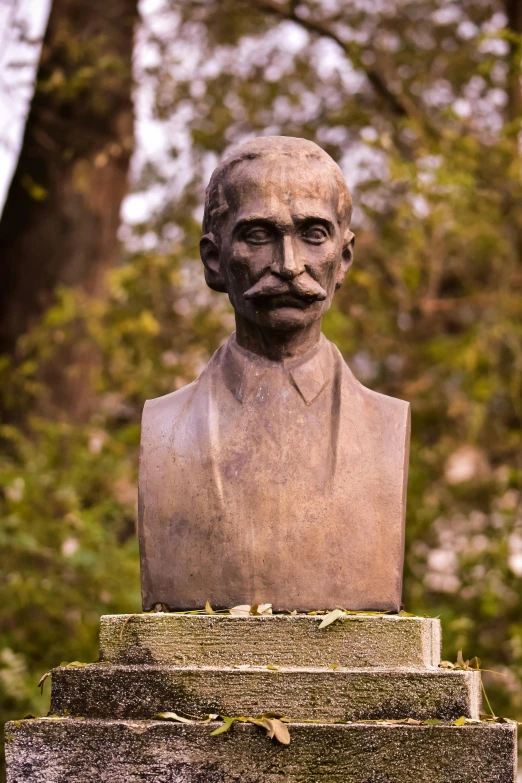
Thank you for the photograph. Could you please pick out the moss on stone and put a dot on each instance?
(154, 752)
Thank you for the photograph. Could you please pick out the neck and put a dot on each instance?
(277, 346)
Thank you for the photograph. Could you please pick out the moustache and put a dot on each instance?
(302, 287)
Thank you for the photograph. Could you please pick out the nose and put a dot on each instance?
(287, 266)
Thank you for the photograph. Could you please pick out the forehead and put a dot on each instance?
(279, 186)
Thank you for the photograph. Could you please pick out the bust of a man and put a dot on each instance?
(275, 477)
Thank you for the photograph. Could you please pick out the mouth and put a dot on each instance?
(284, 299)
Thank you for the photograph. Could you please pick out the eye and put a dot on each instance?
(315, 235)
(258, 235)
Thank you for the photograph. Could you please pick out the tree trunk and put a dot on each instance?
(59, 225)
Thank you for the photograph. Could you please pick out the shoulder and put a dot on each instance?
(390, 409)
(160, 413)
(170, 403)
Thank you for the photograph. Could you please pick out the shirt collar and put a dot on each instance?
(243, 370)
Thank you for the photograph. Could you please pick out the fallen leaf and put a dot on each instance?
(128, 619)
(460, 721)
(73, 665)
(274, 726)
(272, 667)
(460, 660)
(275, 729)
(227, 724)
(331, 617)
(222, 729)
(173, 716)
(54, 717)
(394, 721)
(281, 732)
(42, 680)
(240, 611)
(279, 715)
(260, 609)
(208, 609)
(357, 612)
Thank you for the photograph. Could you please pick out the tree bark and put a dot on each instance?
(59, 225)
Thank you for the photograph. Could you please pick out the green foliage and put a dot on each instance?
(431, 312)
(68, 507)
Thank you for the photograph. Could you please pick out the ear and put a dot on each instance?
(209, 252)
(346, 258)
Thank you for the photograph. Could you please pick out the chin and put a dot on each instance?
(285, 319)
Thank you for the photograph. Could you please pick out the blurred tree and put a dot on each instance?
(61, 216)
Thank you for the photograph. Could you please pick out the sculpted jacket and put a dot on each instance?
(273, 482)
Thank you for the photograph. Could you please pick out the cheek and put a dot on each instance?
(324, 263)
(245, 262)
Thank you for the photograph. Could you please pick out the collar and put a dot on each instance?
(243, 370)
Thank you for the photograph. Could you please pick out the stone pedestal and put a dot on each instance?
(349, 678)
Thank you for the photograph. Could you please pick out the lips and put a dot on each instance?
(284, 300)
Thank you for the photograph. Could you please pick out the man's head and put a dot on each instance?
(276, 231)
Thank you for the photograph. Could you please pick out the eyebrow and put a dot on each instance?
(273, 220)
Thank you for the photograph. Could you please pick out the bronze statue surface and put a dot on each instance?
(275, 477)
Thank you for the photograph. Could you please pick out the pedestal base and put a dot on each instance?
(357, 670)
(62, 751)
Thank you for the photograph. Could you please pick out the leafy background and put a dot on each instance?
(419, 103)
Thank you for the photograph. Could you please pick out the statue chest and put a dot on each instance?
(274, 501)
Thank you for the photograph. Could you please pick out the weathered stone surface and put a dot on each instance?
(275, 476)
(94, 751)
(357, 641)
(142, 691)
(110, 745)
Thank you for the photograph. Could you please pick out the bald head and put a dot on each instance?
(307, 159)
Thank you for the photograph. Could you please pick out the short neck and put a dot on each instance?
(277, 346)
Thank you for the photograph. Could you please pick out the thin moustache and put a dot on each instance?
(306, 289)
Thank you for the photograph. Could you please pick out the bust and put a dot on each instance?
(275, 477)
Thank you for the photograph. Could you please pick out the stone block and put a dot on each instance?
(216, 640)
(115, 751)
(104, 731)
(319, 694)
